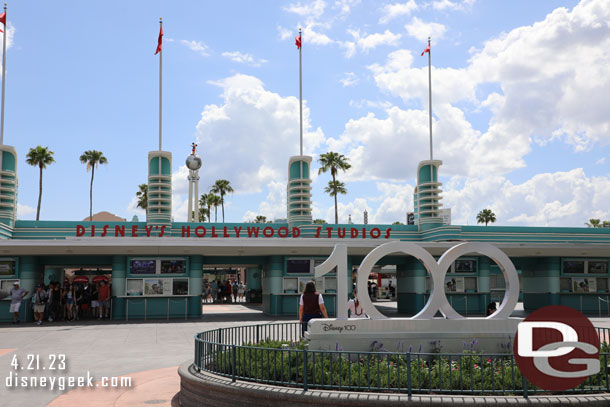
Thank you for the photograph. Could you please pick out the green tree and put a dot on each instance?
(486, 216)
(92, 158)
(203, 213)
(205, 203)
(142, 196)
(214, 201)
(222, 187)
(319, 222)
(334, 162)
(260, 219)
(41, 157)
(594, 223)
(397, 223)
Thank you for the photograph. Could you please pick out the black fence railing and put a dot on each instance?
(274, 354)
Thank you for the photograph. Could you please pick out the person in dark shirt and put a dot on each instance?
(311, 305)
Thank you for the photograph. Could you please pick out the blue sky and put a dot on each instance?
(522, 120)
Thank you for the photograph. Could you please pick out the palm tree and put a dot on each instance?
(204, 203)
(334, 162)
(214, 201)
(41, 157)
(203, 213)
(594, 223)
(142, 195)
(222, 187)
(260, 219)
(486, 216)
(92, 158)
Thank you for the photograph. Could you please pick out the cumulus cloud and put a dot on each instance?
(367, 42)
(421, 30)
(252, 134)
(244, 58)
(196, 46)
(350, 79)
(313, 9)
(25, 211)
(391, 11)
(274, 205)
(452, 5)
(566, 198)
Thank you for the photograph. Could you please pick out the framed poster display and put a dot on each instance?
(7, 284)
(180, 286)
(134, 286)
(154, 286)
(291, 285)
(143, 266)
(7, 267)
(173, 266)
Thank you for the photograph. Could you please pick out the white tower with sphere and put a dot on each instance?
(193, 163)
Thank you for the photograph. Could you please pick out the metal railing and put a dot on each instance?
(273, 354)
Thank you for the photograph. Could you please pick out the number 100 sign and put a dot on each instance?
(436, 270)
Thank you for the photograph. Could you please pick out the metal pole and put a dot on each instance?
(127, 311)
(168, 308)
(430, 96)
(300, 92)
(160, 95)
(5, 34)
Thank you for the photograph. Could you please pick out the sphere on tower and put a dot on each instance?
(193, 162)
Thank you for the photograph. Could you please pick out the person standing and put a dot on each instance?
(17, 295)
(355, 308)
(70, 301)
(214, 291)
(104, 299)
(40, 301)
(311, 305)
(55, 302)
(94, 299)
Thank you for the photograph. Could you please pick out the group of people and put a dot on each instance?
(224, 292)
(68, 303)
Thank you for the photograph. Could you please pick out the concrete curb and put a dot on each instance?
(206, 389)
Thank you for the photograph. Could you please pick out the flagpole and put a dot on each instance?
(160, 93)
(430, 96)
(301, 89)
(3, 77)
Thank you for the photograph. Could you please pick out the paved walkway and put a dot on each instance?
(149, 353)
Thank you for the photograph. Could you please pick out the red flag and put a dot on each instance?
(3, 20)
(298, 41)
(160, 42)
(426, 50)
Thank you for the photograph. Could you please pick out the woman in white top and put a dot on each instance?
(355, 308)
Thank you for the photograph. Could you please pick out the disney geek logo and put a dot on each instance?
(340, 328)
(557, 348)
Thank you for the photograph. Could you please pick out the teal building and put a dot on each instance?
(156, 267)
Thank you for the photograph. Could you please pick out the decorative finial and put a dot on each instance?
(299, 29)
(160, 19)
(194, 146)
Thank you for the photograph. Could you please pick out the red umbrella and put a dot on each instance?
(100, 278)
(81, 279)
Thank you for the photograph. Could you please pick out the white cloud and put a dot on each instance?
(452, 5)
(567, 198)
(350, 79)
(255, 131)
(367, 42)
(284, 33)
(313, 9)
(24, 210)
(311, 36)
(391, 11)
(274, 205)
(196, 46)
(372, 104)
(421, 30)
(600, 161)
(244, 58)
(345, 6)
